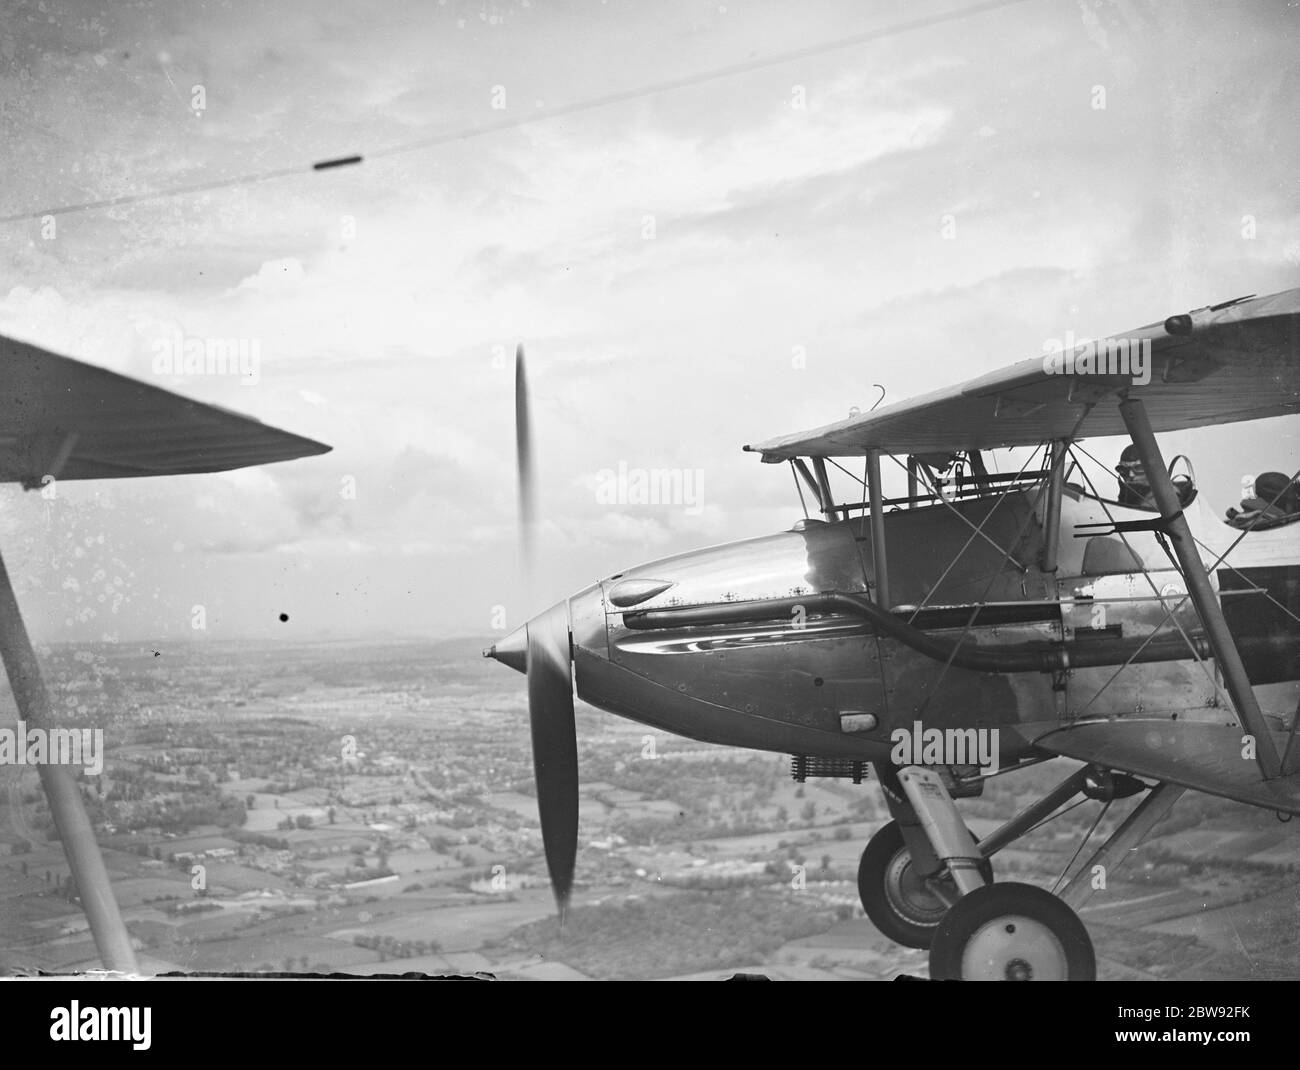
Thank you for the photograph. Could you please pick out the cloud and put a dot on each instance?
(275, 277)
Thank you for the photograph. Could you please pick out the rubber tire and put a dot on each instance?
(876, 858)
(976, 909)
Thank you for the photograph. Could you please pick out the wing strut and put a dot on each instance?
(61, 790)
(1199, 588)
(1052, 506)
(1115, 851)
(813, 485)
(879, 556)
(824, 490)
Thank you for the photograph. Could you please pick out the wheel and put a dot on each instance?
(893, 893)
(1011, 932)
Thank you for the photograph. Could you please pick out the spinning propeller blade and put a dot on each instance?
(541, 649)
(555, 744)
(524, 464)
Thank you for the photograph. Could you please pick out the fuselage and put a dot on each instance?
(833, 685)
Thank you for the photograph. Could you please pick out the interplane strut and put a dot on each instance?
(1199, 587)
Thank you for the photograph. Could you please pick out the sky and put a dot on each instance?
(690, 269)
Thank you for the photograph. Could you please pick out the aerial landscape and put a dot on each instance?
(523, 491)
(368, 808)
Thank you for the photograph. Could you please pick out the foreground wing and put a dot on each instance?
(1239, 361)
(62, 418)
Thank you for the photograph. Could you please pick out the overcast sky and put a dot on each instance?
(691, 270)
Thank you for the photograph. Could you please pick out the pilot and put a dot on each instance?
(1134, 490)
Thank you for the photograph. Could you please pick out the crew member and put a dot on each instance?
(1134, 490)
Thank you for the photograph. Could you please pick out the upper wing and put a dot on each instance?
(1237, 361)
(62, 418)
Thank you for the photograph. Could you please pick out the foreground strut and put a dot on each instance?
(66, 807)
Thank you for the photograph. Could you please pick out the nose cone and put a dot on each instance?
(512, 650)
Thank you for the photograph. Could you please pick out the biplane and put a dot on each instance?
(1152, 642)
(61, 419)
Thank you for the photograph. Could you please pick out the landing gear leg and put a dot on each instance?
(1005, 932)
(945, 833)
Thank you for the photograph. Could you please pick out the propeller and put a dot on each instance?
(555, 744)
(548, 663)
(524, 465)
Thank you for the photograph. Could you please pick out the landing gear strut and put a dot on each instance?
(924, 885)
